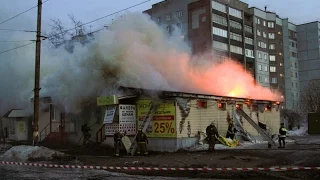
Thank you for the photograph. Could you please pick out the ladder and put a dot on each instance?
(255, 125)
(144, 125)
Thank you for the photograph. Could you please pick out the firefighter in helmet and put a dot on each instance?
(86, 133)
(212, 133)
(282, 136)
(117, 142)
(231, 130)
(142, 141)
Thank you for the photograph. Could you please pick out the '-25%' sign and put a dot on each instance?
(163, 122)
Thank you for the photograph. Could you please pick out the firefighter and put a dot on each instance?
(142, 141)
(231, 130)
(212, 133)
(85, 132)
(282, 136)
(117, 142)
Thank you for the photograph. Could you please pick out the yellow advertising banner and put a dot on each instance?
(163, 123)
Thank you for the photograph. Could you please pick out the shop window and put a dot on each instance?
(202, 104)
(222, 106)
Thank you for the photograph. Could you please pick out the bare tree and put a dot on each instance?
(59, 35)
(294, 118)
(310, 97)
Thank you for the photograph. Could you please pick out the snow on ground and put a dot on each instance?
(26, 153)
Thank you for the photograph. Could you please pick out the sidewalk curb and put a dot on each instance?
(205, 169)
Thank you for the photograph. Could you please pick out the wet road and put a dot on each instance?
(14, 172)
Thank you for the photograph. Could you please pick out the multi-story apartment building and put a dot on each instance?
(291, 64)
(231, 30)
(171, 14)
(309, 52)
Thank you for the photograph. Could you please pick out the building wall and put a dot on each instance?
(292, 85)
(308, 53)
(200, 118)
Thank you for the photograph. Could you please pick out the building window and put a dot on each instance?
(168, 17)
(266, 68)
(266, 80)
(262, 45)
(235, 36)
(265, 57)
(272, 58)
(235, 13)
(159, 19)
(236, 49)
(259, 55)
(272, 69)
(236, 25)
(296, 75)
(293, 44)
(297, 87)
(179, 25)
(219, 7)
(264, 34)
(258, 32)
(220, 32)
(179, 13)
(292, 86)
(294, 54)
(295, 65)
(260, 67)
(273, 80)
(260, 79)
(270, 24)
(272, 46)
(264, 23)
(220, 20)
(220, 46)
(249, 53)
(169, 29)
(271, 36)
(248, 28)
(257, 20)
(248, 40)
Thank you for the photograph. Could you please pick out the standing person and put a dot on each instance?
(282, 136)
(212, 132)
(142, 141)
(117, 142)
(231, 130)
(85, 132)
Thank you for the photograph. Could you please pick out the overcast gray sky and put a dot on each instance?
(86, 10)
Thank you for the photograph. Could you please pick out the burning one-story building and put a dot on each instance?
(177, 118)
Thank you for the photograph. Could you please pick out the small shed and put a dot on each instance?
(314, 123)
(17, 125)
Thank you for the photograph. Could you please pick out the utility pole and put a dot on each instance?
(37, 78)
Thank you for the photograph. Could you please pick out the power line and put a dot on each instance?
(15, 41)
(16, 48)
(21, 13)
(102, 17)
(22, 30)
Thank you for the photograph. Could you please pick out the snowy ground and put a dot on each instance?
(26, 153)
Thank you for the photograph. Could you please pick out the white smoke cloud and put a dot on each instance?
(133, 52)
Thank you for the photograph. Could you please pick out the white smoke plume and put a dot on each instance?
(133, 52)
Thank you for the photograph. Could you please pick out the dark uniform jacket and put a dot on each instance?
(283, 132)
(211, 131)
(142, 137)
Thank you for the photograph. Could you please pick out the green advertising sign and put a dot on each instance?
(107, 100)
